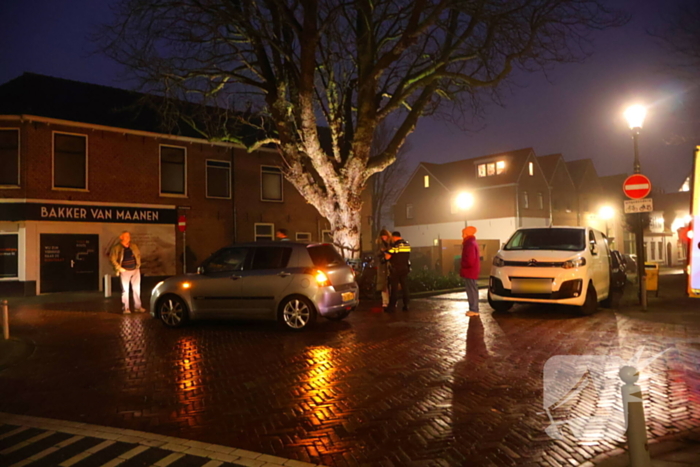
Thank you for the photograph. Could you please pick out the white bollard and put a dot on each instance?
(107, 285)
(5, 320)
(634, 418)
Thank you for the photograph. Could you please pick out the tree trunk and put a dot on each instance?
(346, 224)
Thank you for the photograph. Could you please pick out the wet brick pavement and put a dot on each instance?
(425, 387)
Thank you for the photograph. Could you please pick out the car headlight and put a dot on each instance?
(574, 263)
(498, 262)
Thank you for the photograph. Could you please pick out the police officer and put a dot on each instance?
(399, 256)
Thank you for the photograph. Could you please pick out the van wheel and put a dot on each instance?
(499, 307)
(297, 313)
(172, 311)
(590, 306)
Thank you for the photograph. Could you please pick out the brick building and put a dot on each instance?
(80, 163)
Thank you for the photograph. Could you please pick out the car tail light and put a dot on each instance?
(321, 278)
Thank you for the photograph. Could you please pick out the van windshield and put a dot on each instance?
(548, 239)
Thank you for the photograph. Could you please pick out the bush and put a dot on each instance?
(426, 279)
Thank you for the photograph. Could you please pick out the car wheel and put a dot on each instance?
(340, 316)
(297, 313)
(499, 307)
(172, 311)
(590, 306)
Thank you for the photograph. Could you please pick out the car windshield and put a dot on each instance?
(548, 239)
(324, 255)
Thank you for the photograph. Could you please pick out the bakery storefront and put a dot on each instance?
(62, 246)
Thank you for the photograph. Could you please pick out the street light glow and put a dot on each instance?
(464, 200)
(607, 213)
(635, 116)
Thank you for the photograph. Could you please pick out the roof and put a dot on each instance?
(577, 170)
(76, 101)
(548, 164)
(612, 184)
(458, 174)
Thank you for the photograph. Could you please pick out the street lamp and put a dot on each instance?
(635, 118)
(464, 201)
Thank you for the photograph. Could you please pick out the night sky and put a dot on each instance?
(576, 110)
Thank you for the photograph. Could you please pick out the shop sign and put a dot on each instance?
(77, 213)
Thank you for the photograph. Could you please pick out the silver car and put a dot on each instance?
(289, 282)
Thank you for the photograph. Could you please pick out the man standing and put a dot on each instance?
(399, 256)
(470, 268)
(126, 260)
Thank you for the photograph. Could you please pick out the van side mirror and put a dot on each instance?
(594, 248)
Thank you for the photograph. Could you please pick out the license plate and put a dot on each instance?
(348, 296)
(532, 285)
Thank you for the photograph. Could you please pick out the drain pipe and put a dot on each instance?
(5, 320)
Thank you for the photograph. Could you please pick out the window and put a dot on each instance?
(218, 179)
(9, 256)
(660, 246)
(500, 167)
(409, 211)
(326, 236)
(426, 181)
(270, 257)
(531, 168)
(481, 170)
(264, 232)
(9, 157)
(526, 200)
(324, 255)
(226, 260)
(491, 169)
(173, 165)
(270, 183)
(540, 201)
(303, 237)
(69, 161)
(653, 251)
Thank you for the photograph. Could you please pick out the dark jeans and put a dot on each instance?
(396, 278)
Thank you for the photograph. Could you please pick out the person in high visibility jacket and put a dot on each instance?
(399, 256)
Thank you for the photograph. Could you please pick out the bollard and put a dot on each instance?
(634, 418)
(5, 320)
(107, 285)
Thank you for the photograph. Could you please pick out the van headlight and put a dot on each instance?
(574, 263)
(498, 262)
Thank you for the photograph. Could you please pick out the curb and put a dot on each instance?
(15, 350)
(431, 293)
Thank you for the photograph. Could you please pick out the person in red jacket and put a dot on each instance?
(470, 268)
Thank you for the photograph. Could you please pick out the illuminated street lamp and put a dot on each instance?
(464, 201)
(635, 118)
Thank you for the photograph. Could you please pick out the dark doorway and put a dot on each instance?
(69, 262)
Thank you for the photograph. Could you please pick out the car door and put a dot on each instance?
(264, 280)
(600, 263)
(216, 293)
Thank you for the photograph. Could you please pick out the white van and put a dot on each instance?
(563, 265)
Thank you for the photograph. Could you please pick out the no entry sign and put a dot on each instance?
(636, 186)
(182, 223)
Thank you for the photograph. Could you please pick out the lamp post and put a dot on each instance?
(635, 118)
(464, 201)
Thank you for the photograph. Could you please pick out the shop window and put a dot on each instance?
(500, 167)
(481, 170)
(426, 181)
(526, 200)
(540, 201)
(264, 232)
(9, 157)
(9, 256)
(409, 211)
(70, 161)
(270, 183)
(173, 171)
(218, 179)
(303, 237)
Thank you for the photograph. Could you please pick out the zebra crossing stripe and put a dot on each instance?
(213, 464)
(14, 432)
(86, 454)
(126, 456)
(166, 461)
(18, 446)
(48, 451)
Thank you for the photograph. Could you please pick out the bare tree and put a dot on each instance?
(346, 65)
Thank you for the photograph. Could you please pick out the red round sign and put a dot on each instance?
(182, 223)
(637, 186)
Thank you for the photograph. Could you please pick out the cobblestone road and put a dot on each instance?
(425, 387)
